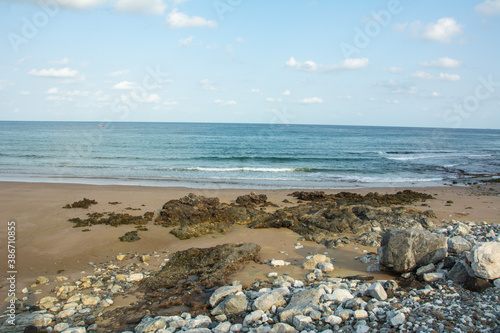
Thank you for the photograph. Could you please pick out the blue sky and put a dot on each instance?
(388, 63)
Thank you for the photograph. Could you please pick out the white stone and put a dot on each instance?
(121, 257)
(333, 320)
(222, 292)
(201, 321)
(252, 317)
(339, 295)
(236, 327)
(279, 263)
(89, 299)
(266, 301)
(360, 314)
(222, 327)
(314, 260)
(65, 313)
(300, 321)
(75, 330)
(377, 291)
(272, 275)
(298, 284)
(485, 260)
(149, 324)
(425, 269)
(27, 319)
(135, 277)
(398, 319)
(61, 327)
(430, 277)
(325, 266)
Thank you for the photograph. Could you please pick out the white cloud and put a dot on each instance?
(392, 101)
(345, 97)
(444, 62)
(170, 103)
(207, 85)
(435, 94)
(394, 70)
(239, 40)
(224, 103)
(441, 31)
(181, 20)
(255, 90)
(307, 66)
(186, 41)
(311, 66)
(125, 85)
(286, 93)
(118, 73)
(146, 7)
(56, 91)
(25, 92)
(440, 77)
(488, 7)
(81, 4)
(388, 84)
(311, 100)
(5, 83)
(52, 72)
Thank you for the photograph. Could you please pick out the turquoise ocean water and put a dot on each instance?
(244, 155)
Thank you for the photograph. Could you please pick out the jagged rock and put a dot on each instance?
(485, 260)
(460, 230)
(222, 260)
(222, 292)
(200, 321)
(121, 257)
(282, 328)
(460, 272)
(333, 320)
(425, 269)
(136, 277)
(252, 317)
(279, 263)
(405, 250)
(312, 262)
(431, 277)
(198, 215)
(301, 322)
(377, 291)
(301, 304)
(223, 327)
(26, 319)
(458, 244)
(232, 304)
(266, 301)
(251, 200)
(338, 295)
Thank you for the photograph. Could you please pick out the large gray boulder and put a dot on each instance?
(406, 250)
(485, 260)
(302, 303)
(458, 244)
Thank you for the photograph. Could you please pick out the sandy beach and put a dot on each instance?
(48, 245)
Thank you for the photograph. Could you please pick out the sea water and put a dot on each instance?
(207, 155)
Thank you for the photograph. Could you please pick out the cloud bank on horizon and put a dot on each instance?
(381, 63)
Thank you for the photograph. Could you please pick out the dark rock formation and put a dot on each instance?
(252, 200)
(197, 215)
(85, 203)
(172, 291)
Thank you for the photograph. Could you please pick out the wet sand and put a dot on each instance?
(46, 242)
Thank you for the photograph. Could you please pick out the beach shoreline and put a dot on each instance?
(48, 245)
